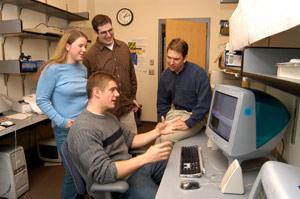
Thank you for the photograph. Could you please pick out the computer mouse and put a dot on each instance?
(189, 184)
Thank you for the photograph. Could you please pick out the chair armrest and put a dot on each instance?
(138, 151)
(119, 186)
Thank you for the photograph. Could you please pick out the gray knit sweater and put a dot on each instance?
(95, 143)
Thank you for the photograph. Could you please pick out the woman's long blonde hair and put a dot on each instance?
(60, 54)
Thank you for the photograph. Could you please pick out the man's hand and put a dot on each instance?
(166, 127)
(179, 124)
(136, 106)
(155, 153)
(159, 152)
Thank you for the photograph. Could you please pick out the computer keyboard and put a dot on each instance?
(191, 161)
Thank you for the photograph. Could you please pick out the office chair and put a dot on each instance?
(97, 191)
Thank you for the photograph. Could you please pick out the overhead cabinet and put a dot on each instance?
(248, 28)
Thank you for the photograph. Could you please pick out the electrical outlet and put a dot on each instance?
(151, 72)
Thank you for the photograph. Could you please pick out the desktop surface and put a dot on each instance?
(215, 164)
(22, 123)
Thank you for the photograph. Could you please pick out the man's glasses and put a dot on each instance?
(104, 33)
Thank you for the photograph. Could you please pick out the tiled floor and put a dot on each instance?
(45, 181)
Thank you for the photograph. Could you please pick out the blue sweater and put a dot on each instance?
(188, 90)
(61, 92)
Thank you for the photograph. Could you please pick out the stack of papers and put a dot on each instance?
(19, 116)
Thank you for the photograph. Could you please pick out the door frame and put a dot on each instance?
(161, 32)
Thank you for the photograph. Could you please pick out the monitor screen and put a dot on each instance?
(222, 114)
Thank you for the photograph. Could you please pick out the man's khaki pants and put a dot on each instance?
(180, 134)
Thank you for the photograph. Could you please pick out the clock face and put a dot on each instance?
(124, 16)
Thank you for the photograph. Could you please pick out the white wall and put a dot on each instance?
(290, 149)
(145, 26)
(291, 154)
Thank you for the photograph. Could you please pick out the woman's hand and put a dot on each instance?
(70, 122)
(136, 106)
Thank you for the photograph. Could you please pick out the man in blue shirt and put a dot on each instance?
(183, 92)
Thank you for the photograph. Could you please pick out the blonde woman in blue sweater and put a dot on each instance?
(61, 91)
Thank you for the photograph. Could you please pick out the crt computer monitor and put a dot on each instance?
(245, 123)
(276, 180)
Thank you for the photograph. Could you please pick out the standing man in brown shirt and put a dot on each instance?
(113, 56)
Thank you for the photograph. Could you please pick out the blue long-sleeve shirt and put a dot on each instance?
(188, 90)
(61, 92)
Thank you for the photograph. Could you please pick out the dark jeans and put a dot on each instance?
(144, 182)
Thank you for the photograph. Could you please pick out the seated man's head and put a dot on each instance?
(102, 91)
(177, 51)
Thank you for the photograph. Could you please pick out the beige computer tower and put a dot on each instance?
(13, 172)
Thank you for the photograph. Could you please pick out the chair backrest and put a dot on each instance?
(78, 181)
(96, 190)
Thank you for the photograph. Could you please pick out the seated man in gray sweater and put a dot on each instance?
(99, 144)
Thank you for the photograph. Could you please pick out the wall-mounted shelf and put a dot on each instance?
(13, 67)
(286, 84)
(48, 9)
(14, 28)
(260, 64)
(232, 70)
(229, 1)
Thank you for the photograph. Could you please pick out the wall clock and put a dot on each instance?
(124, 16)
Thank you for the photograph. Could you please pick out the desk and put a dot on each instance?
(19, 124)
(215, 164)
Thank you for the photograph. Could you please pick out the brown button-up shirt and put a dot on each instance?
(118, 63)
